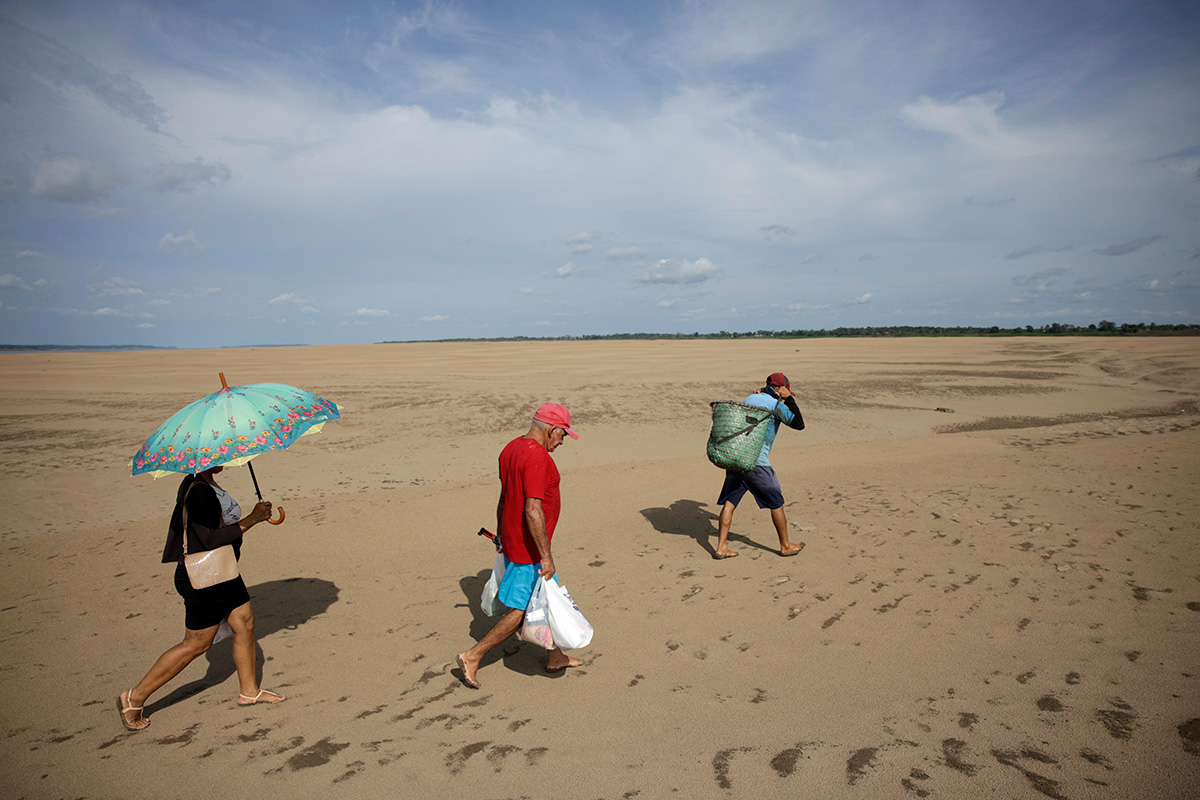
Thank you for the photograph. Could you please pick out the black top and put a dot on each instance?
(204, 523)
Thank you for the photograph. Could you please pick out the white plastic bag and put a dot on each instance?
(536, 627)
(488, 600)
(567, 625)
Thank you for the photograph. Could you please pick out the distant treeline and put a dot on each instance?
(1102, 328)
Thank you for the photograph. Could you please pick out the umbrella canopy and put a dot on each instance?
(232, 426)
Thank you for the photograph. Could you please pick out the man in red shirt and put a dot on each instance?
(525, 517)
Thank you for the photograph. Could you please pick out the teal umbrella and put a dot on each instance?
(232, 426)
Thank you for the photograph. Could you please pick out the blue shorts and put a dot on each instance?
(516, 587)
(760, 482)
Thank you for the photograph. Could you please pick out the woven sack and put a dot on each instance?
(737, 436)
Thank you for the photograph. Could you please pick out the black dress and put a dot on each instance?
(203, 608)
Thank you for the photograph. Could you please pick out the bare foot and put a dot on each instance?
(131, 715)
(558, 665)
(726, 553)
(263, 696)
(792, 549)
(469, 669)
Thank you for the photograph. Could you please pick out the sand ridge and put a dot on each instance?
(998, 599)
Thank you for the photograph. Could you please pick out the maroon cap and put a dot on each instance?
(778, 379)
(556, 415)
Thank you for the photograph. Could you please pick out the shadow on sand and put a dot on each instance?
(692, 518)
(278, 605)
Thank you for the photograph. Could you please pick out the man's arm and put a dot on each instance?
(535, 521)
(789, 400)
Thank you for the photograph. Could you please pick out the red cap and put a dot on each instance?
(778, 379)
(556, 415)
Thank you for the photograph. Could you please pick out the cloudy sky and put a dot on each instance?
(202, 174)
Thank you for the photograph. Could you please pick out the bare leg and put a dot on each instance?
(245, 659)
(723, 524)
(786, 548)
(505, 627)
(168, 665)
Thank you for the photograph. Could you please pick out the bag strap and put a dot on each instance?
(185, 524)
(745, 431)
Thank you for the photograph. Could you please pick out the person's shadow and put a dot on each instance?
(278, 605)
(692, 518)
(518, 656)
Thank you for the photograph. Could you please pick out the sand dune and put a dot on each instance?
(999, 596)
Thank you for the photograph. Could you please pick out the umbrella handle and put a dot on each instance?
(281, 516)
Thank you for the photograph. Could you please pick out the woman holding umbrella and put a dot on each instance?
(213, 520)
(229, 427)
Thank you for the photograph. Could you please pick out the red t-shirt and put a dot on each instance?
(526, 470)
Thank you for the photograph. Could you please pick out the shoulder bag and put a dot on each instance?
(210, 567)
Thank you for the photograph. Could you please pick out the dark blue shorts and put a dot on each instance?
(760, 482)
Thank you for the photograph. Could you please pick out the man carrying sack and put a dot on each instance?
(761, 481)
(525, 517)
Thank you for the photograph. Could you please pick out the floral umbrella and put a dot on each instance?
(231, 427)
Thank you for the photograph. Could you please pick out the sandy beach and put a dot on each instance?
(999, 594)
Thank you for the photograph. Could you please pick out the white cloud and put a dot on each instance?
(144, 325)
(435, 318)
(677, 271)
(287, 298)
(10, 281)
(309, 310)
(584, 238)
(117, 287)
(565, 270)
(371, 312)
(187, 176)
(975, 122)
(170, 242)
(29, 254)
(625, 253)
(69, 179)
(198, 293)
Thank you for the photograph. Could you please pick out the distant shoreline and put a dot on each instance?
(900, 331)
(76, 348)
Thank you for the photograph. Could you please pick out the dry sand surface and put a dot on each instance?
(998, 600)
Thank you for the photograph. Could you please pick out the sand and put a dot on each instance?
(998, 599)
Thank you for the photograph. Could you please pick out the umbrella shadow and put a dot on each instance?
(518, 656)
(278, 605)
(693, 519)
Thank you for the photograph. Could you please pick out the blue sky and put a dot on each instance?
(216, 173)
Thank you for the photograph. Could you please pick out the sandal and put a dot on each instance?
(125, 704)
(253, 701)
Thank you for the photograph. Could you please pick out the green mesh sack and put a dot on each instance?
(737, 436)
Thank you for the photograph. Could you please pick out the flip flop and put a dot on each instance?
(124, 703)
(255, 701)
